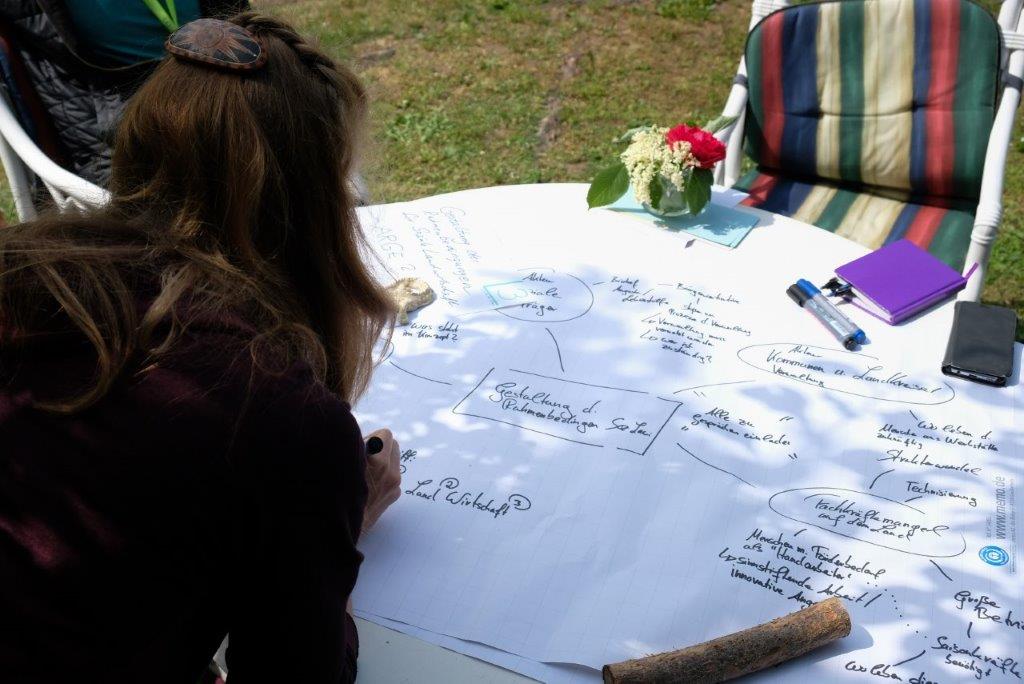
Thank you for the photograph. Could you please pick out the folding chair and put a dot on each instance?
(880, 120)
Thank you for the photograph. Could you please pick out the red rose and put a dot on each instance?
(704, 146)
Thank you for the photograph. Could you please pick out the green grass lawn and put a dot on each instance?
(470, 93)
(473, 93)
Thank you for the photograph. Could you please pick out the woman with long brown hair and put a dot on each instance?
(178, 460)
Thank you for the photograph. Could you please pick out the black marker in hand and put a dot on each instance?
(383, 475)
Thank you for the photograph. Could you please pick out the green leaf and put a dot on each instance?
(706, 175)
(718, 123)
(656, 192)
(698, 190)
(608, 186)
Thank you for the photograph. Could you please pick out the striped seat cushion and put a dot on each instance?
(892, 94)
(870, 219)
(870, 118)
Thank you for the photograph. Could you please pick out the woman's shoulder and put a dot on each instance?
(282, 408)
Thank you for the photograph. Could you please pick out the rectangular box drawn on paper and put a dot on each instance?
(580, 412)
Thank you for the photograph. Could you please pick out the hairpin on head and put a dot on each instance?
(217, 43)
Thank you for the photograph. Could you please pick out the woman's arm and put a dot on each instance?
(383, 475)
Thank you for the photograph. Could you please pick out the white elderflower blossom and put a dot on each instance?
(648, 156)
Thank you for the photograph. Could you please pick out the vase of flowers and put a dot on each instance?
(669, 169)
(672, 201)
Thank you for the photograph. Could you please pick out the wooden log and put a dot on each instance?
(740, 653)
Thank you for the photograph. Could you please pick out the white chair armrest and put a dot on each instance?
(75, 189)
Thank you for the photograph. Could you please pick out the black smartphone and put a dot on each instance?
(980, 344)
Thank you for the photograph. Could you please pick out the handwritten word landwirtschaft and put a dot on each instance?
(447, 491)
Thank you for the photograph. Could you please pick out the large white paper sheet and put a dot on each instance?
(616, 444)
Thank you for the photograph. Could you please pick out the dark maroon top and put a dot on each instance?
(181, 507)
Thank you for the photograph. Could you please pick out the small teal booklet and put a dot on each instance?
(718, 224)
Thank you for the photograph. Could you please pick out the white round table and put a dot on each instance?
(777, 244)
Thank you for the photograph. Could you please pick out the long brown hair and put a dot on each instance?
(230, 194)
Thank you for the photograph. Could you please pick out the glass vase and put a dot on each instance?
(672, 201)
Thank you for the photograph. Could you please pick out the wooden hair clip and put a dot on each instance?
(217, 43)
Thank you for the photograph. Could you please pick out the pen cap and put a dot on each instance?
(808, 287)
(797, 294)
(837, 287)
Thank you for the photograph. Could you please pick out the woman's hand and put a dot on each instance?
(383, 476)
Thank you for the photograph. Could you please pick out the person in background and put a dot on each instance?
(127, 32)
(178, 456)
(83, 59)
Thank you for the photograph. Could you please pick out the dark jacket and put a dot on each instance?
(82, 95)
(201, 496)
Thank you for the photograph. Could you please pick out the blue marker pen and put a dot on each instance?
(809, 297)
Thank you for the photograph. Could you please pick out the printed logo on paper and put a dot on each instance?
(994, 555)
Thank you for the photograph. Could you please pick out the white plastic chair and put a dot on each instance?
(22, 159)
(990, 205)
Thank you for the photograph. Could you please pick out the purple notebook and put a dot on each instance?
(900, 280)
